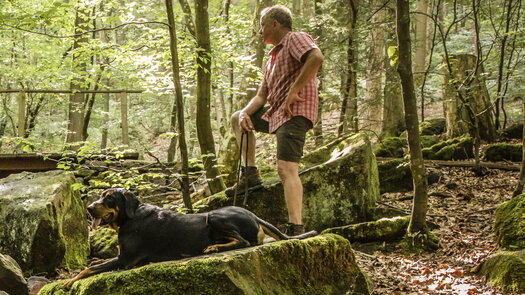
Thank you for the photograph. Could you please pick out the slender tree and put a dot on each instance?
(204, 131)
(185, 182)
(417, 228)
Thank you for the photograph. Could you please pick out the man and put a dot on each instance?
(290, 89)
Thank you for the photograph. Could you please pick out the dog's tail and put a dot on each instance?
(275, 233)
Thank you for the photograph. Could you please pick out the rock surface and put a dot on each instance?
(343, 190)
(43, 221)
(321, 265)
(103, 242)
(12, 280)
(385, 229)
(510, 223)
(506, 270)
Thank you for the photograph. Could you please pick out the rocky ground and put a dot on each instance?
(465, 215)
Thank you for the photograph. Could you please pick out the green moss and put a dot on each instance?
(394, 175)
(327, 266)
(428, 140)
(460, 148)
(386, 229)
(503, 151)
(103, 243)
(432, 127)
(419, 242)
(391, 147)
(506, 270)
(513, 132)
(510, 223)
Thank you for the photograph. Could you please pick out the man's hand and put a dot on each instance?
(245, 123)
(290, 99)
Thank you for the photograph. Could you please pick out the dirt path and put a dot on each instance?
(466, 235)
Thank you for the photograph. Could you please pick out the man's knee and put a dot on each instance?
(235, 120)
(287, 170)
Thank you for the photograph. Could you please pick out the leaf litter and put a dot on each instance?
(465, 231)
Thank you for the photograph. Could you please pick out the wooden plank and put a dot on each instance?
(69, 91)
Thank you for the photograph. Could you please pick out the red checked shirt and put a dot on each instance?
(282, 69)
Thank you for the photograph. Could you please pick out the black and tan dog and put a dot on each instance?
(147, 233)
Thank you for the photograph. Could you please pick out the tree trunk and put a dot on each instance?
(318, 127)
(372, 110)
(421, 41)
(172, 149)
(471, 87)
(76, 100)
(188, 19)
(348, 117)
(204, 132)
(104, 139)
(393, 120)
(521, 179)
(404, 68)
(185, 180)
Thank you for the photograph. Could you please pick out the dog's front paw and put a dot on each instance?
(211, 249)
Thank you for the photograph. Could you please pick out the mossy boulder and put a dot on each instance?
(341, 191)
(510, 223)
(103, 242)
(453, 149)
(382, 230)
(513, 132)
(504, 152)
(321, 265)
(12, 280)
(42, 221)
(433, 126)
(391, 147)
(394, 176)
(506, 270)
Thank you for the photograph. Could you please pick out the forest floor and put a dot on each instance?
(465, 219)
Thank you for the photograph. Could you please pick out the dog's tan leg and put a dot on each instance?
(219, 247)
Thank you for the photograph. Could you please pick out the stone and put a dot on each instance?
(343, 190)
(103, 242)
(391, 147)
(509, 224)
(503, 152)
(460, 148)
(514, 131)
(12, 279)
(395, 176)
(506, 270)
(43, 221)
(36, 283)
(433, 126)
(382, 230)
(320, 265)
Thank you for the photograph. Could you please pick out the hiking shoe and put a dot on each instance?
(251, 175)
(292, 229)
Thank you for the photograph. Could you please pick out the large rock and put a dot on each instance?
(510, 223)
(12, 280)
(503, 152)
(341, 191)
(42, 221)
(103, 242)
(320, 265)
(506, 270)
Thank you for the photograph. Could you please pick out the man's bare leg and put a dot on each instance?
(293, 190)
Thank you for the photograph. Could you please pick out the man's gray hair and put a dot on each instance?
(280, 13)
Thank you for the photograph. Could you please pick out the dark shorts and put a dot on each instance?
(290, 136)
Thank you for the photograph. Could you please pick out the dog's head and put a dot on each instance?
(114, 207)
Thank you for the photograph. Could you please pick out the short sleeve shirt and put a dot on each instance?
(282, 69)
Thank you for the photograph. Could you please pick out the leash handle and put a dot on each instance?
(246, 171)
(238, 171)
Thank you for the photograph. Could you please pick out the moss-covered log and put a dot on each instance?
(503, 152)
(506, 270)
(453, 149)
(510, 223)
(321, 265)
(385, 229)
(43, 224)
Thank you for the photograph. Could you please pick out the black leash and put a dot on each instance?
(245, 171)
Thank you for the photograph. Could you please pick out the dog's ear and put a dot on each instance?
(131, 203)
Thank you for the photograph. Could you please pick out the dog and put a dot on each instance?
(148, 233)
